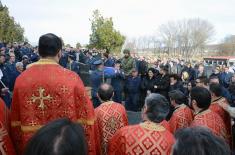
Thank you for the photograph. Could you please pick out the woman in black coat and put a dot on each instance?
(147, 83)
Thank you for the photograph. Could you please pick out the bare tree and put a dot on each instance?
(227, 47)
(186, 37)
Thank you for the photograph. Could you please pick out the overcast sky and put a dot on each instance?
(70, 18)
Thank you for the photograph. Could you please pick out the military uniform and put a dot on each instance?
(117, 83)
(97, 78)
(127, 65)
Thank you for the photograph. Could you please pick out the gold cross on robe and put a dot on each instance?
(41, 98)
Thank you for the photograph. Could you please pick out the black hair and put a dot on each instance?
(193, 83)
(203, 79)
(157, 107)
(49, 45)
(175, 76)
(126, 51)
(152, 70)
(106, 55)
(216, 89)
(72, 57)
(202, 96)
(213, 77)
(118, 62)
(59, 137)
(199, 141)
(164, 67)
(178, 96)
(105, 92)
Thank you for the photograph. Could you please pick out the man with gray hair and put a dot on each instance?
(150, 132)
(19, 67)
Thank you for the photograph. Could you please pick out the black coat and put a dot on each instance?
(142, 67)
(178, 86)
(148, 84)
(163, 84)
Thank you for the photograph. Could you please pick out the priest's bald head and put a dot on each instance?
(105, 92)
(50, 46)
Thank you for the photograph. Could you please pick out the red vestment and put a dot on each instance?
(166, 125)
(147, 138)
(181, 118)
(46, 92)
(223, 114)
(212, 121)
(110, 117)
(6, 146)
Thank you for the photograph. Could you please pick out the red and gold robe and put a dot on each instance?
(166, 125)
(223, 114)
(6, 146)
(46, 92)
(212, 121)
(147, 138)
(110, 117)
(181, 118)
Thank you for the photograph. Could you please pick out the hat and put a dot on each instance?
(98, 62)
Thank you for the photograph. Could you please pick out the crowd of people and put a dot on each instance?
(184, 110)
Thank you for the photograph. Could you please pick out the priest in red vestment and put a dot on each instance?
(182, 115)
(200, 100)
(166, 125)
(217, 100)
(110, 116)
(46, 92)
(6, 146)
(149, 137)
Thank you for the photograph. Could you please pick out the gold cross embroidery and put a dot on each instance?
(64, 89)
(65, 112)
(41, 98)
(32, 123)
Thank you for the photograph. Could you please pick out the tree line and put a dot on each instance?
(10, 30)
(183, 38)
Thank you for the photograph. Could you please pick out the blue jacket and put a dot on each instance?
(97, 78)
(133, 85)
(225, 93)
(64, 60)
(226, 79)
(26, 51)
(117, 81)
(109, 62)
(74, 66)
(34, 57)
(90, 62)
(12, 75)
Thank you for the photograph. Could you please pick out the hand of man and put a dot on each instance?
(155, 87)
(4, 91)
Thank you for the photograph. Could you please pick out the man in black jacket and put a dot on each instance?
(162, 82)
(176, 83)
